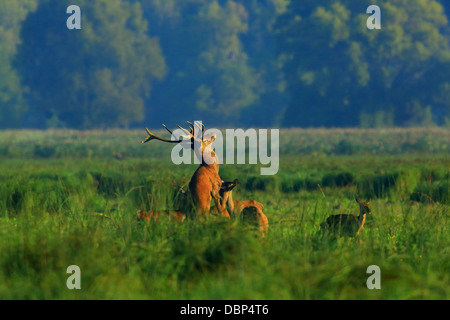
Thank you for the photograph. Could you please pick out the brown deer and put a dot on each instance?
(205, 183)
(347, 224)
(153, 215)
(171, 215)
(250, 211)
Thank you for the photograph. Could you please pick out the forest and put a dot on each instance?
(262, 63)
(359, 122)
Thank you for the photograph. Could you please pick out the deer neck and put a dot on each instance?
(205, 154)
(362, 217)
(213, 167)
(209, 160)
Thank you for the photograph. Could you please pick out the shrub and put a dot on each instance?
(426, 192)
(377, 186)
(341, 179)
(261, 183)
(111, 185)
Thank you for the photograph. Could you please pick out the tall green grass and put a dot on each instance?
(58, 211)
(51, 144)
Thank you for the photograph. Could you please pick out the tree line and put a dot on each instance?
(264, 63)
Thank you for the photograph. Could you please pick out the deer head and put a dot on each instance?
(225, 192)
(228, 186)
(363, 206)
(196, 140)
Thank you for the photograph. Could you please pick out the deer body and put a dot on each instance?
(251, 211)
(205, 183)
(204, 186)
(153, 215)
(345, 224)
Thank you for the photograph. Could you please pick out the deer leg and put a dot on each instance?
(204, 204)
(220, 207)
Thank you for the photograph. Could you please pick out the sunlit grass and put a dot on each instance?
(59, 211)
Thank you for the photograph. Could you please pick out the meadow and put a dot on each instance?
(71, 198)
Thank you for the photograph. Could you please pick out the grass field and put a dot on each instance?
(55, 184)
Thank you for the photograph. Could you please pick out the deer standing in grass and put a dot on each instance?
(251, 211)
(347, 224)
(205, 184)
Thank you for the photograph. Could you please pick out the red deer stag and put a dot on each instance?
(205, 184)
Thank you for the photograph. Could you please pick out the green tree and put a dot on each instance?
(228, 82)
(341, 74)
(12, 104)
(446, 6)
(95, 77)
(259, 43)
(210, 76)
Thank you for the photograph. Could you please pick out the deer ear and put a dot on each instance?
(232, 185)
(210, 137)
(227, 186)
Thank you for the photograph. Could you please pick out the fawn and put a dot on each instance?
(179, 215)
(347, 224)
(173, 215)
(250, 211)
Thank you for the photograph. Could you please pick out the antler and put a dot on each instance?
(202, 129)
(189, 133)
(167, 129)
(153, 136)
(192, 127)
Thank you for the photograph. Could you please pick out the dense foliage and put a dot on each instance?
(74, 203)
(249, 63)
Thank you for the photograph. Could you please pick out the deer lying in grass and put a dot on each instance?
(250, 211)
(206, 182)
(179, 215)
(153, 215)
(347, 224)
